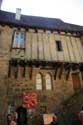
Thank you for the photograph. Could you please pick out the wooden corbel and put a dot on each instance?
(30, 72)
(61, 70)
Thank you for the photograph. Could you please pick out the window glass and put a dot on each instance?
(48, 82)
(22, 40)
(22, 36)
(17, 36)
(39, 82)
(18, 41)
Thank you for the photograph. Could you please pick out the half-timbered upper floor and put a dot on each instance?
(41, 39)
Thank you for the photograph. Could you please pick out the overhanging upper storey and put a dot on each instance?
(41, 39)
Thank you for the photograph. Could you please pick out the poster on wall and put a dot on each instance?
(30, 100)
(47, 118)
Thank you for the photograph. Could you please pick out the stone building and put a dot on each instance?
(38, 55)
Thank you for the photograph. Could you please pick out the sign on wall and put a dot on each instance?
(30, 100)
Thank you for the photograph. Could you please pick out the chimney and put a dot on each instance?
(18, 14)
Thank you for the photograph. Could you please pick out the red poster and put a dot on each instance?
(30, 100)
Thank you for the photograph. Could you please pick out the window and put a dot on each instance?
(19, 38)
(59, 45)
(48, 82)
(39, 81)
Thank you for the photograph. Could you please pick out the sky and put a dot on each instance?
(70, 11)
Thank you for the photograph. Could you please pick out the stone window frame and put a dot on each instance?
(18, 40)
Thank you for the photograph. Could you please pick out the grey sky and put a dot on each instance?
(70, 11)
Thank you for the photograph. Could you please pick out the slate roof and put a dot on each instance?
(38, 22)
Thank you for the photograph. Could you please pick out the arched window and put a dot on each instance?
(48, 82)
(39, 81)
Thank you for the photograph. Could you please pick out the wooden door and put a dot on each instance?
(22, 115)
(76, 81)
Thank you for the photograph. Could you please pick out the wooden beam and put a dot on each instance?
(81, 67)
(56, 70)
(61, 70)
(22, 63)
(16, 71)
(82, 74)
(30, 73)
(68, 73)
(68, 67)
(24, 71)
(14, 62)
(9, 70)
(75, 67)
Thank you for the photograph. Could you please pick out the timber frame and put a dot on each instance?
(58, 67)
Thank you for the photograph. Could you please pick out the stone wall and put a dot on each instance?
(14, 88)
(11, 89)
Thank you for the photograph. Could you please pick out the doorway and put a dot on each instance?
(22, 115)
(76, 81)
